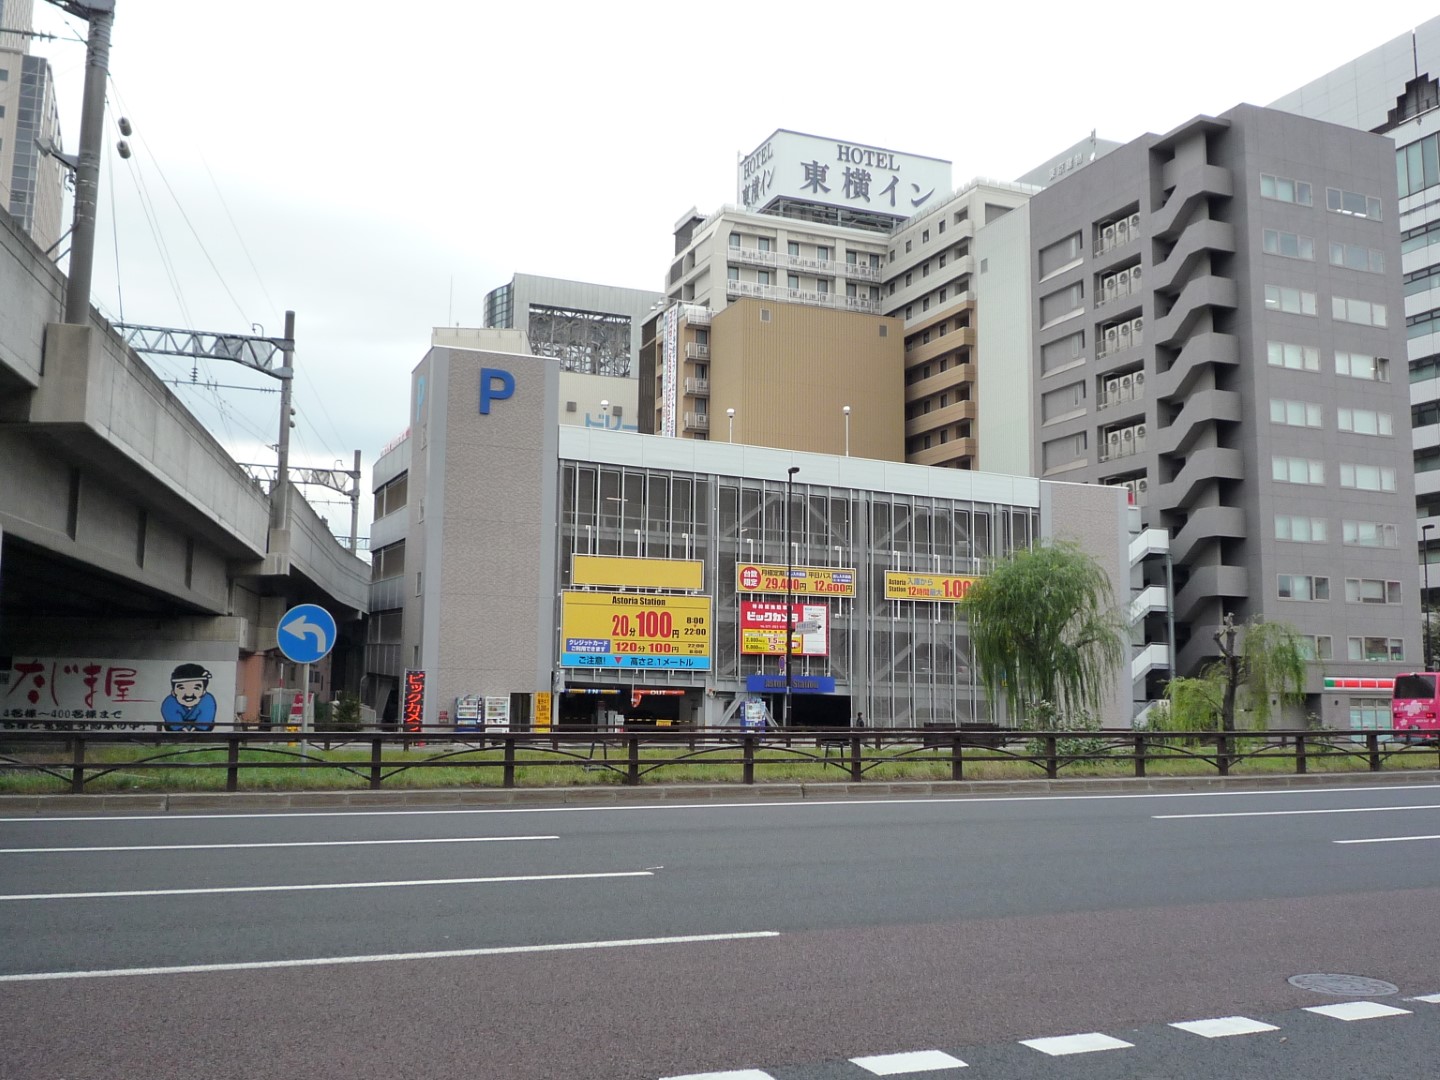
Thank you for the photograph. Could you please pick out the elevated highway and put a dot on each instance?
(127, 532)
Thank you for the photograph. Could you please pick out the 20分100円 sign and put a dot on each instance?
(634, 630)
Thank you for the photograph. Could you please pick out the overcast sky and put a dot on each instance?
(378, 167)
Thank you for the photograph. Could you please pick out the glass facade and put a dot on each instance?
(903, 663)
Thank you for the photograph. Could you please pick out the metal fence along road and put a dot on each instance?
(79, 759)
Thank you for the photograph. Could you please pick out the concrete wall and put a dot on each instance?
(790, 370)
(486, 527)
(34, 292)
(1005, 380)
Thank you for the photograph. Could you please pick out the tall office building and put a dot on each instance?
(33, 190)
(1214, 313)
(1395, 90)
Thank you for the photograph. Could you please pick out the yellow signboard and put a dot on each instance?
(941, 587)
(634, 630)
(630, 573)
(804, 580)
(542, 710)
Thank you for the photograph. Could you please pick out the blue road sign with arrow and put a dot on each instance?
(306, 633)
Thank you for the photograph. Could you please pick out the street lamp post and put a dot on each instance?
(846, 411)
(605, 413)
(789, 588)
(1425, 595)
(730, 415)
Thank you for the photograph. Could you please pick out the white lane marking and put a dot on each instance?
(1386, 839)
(1295, 813)
(980, 799)
(1223, 1026)
(733, 1074)
(386, 958)
(1357, 1010)
(1429, 999)
(323, 886)
(276, 844)
(913, 1062)
(1088, 1043)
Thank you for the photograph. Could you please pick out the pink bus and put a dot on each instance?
(1415, 708)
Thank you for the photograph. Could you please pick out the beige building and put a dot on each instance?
(31, 181)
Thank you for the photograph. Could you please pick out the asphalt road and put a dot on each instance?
(648, 942)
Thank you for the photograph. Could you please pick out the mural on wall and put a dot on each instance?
(69, 692)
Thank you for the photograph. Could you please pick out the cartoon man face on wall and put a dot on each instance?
(190, 706)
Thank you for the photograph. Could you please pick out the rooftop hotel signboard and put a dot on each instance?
(840, 172)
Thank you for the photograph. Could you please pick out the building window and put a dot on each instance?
(822, 253)
(762, 276)
(1285, 190)
(1297, 470)
(1371, 534)
(1353, 203)
(850, 289)
(925, 270)
(925, 304)
(1372, 591)
(1295, 357)
(1294, 413)
(732, 273)
(734, 240)
(943, 257)
(1364, 312)
(1367, 477)
(1290, 301)
(419, 582)
(925, 237)
(1365, 422)
(1316, 646)
(793, 249)
(944, 295)
(822, 286)
(1062, 304)
(875, 260)
(1418, 165)
(1300, 530)
(1055, 354)
(1375, 648)
(1362, 366)
(1357, 257)
(908, 279)
(1290, 245)
(1304, 587)
(1057, 256)
(762, 243)
(907, 247)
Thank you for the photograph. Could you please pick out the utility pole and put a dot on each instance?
(280, 497)
(101, 16)
(789, 591)
(355, 508)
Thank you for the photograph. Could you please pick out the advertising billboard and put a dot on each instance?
(623, 572)
(763, 623)
(945, 588)
(109, 694)
(838, 172)
(629, 630)
(804, 580)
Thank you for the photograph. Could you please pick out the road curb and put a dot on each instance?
(459, 798)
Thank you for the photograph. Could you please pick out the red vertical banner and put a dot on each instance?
(412, 706)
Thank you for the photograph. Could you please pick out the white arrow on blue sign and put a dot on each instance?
(306, 633)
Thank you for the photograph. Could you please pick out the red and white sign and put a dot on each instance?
(763, 624)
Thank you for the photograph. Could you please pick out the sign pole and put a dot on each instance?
(305, 718)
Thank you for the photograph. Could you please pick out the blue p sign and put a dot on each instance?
(496, 384)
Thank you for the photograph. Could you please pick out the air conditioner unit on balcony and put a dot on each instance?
(1134, 224)
(1107, 287)
(1112, 389)
(1142, 485)
(1127, 383)
(1107, 236)
(1139, 433)
(1112, 338)
(1128, 434)
(1122, 283)
(1135, 278)
(1124, 335)
(1139, 382)
(1113, 441)
(1137, 325)
(1122, 232)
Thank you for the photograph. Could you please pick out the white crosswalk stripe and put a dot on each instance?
(1357, 1010)
(913, 1062)
(1223, 1026)
(1088, 1043)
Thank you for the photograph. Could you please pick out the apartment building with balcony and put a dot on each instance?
(932, 282)
(1394, 90)
(1213, 314)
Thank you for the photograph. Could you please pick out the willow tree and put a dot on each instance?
(1044, 628)
(1269, 666)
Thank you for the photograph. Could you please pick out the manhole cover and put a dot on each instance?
(1344, 985)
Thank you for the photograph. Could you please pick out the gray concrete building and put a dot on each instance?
(568, 575)
(1395, 90)
(32, 182)
(1215, 310)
